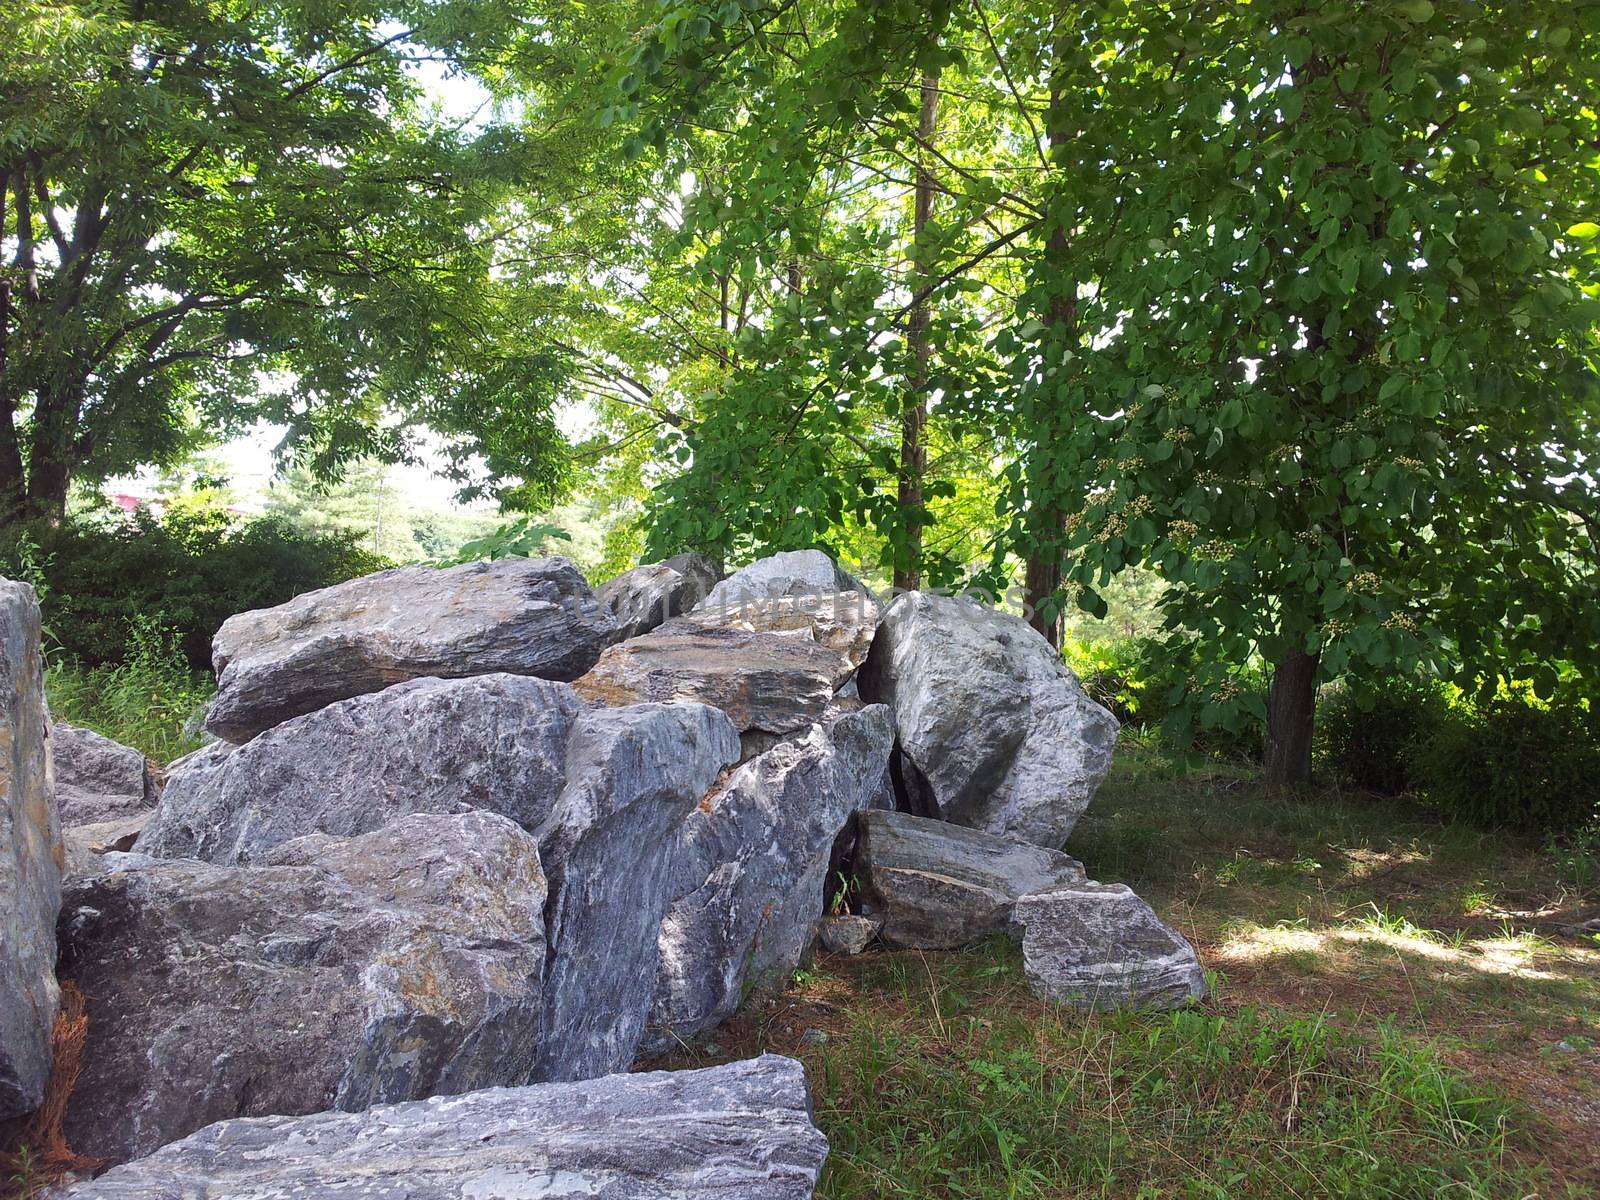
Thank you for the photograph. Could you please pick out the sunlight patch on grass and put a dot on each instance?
(1519, 955)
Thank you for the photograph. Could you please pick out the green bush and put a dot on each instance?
(1516, 763)
(98, 580)
(151, 700)
(1147, 683)
(1370, 736)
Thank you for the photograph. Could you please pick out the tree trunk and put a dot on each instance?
(1291, 707)
(1042, 575)
(914, 413)
(13, 485)
(50, 452)
(1041, 578)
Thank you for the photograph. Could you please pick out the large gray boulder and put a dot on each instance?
(1097, 945)
(788, 573)
(491, 742)
(341, 973)
(739, 1132)
(770, 682)
(646, 596)
(518, 615)
(937, 886)
(995, 731)
(31, 859)
(635, 778)
(98, 779)
(755, 859)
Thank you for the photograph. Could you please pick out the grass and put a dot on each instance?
(1394, 1014)
(151, 701)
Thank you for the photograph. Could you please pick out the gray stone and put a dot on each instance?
(31, 859)
(773, 682)
(995, 731)
(491, 742)
(518, 615)
(937, 886)
(646, 596)
(1097, 945)
(342, 973)
(844, 622)
(635, 776)
(88, 844)
(789, 573)
(849, 933)
(742, 1131)
(98, 779)
(755, 861)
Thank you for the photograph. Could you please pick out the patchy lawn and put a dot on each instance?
(1396, 1014)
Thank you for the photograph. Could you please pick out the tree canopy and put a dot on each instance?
(1290, 307)
(218, 213)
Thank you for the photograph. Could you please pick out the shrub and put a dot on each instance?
(186, 574)
(1514, 762)
(152, 700)
(1370, 735)
(1148, 683)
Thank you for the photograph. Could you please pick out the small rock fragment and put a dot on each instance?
(850, 933)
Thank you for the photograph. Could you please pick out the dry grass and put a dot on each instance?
(37, 1154)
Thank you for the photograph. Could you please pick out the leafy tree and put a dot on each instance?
(877, 227)
(1298, 308)
(362, 506)
(1341, 387)
(202, 195)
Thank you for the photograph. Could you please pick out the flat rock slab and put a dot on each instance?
(844, 622)
(87, 845)
(1097, 945)
(646, 596)
(344, 972)
(789, 573)
(741, 1132)
(31, 859)
(98, 779)
(772, 682)
(517, 615)
(995, 731)
(937, 886)
(492, 742)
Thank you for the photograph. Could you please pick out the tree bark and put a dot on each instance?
(1042, 573)
(914, 413)
(13, 489)
(1041, 577)
(50, 452)
(1291, 709)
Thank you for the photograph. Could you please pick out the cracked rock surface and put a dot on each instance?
(340, 973)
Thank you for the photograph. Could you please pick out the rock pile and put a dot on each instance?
(479, 828)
